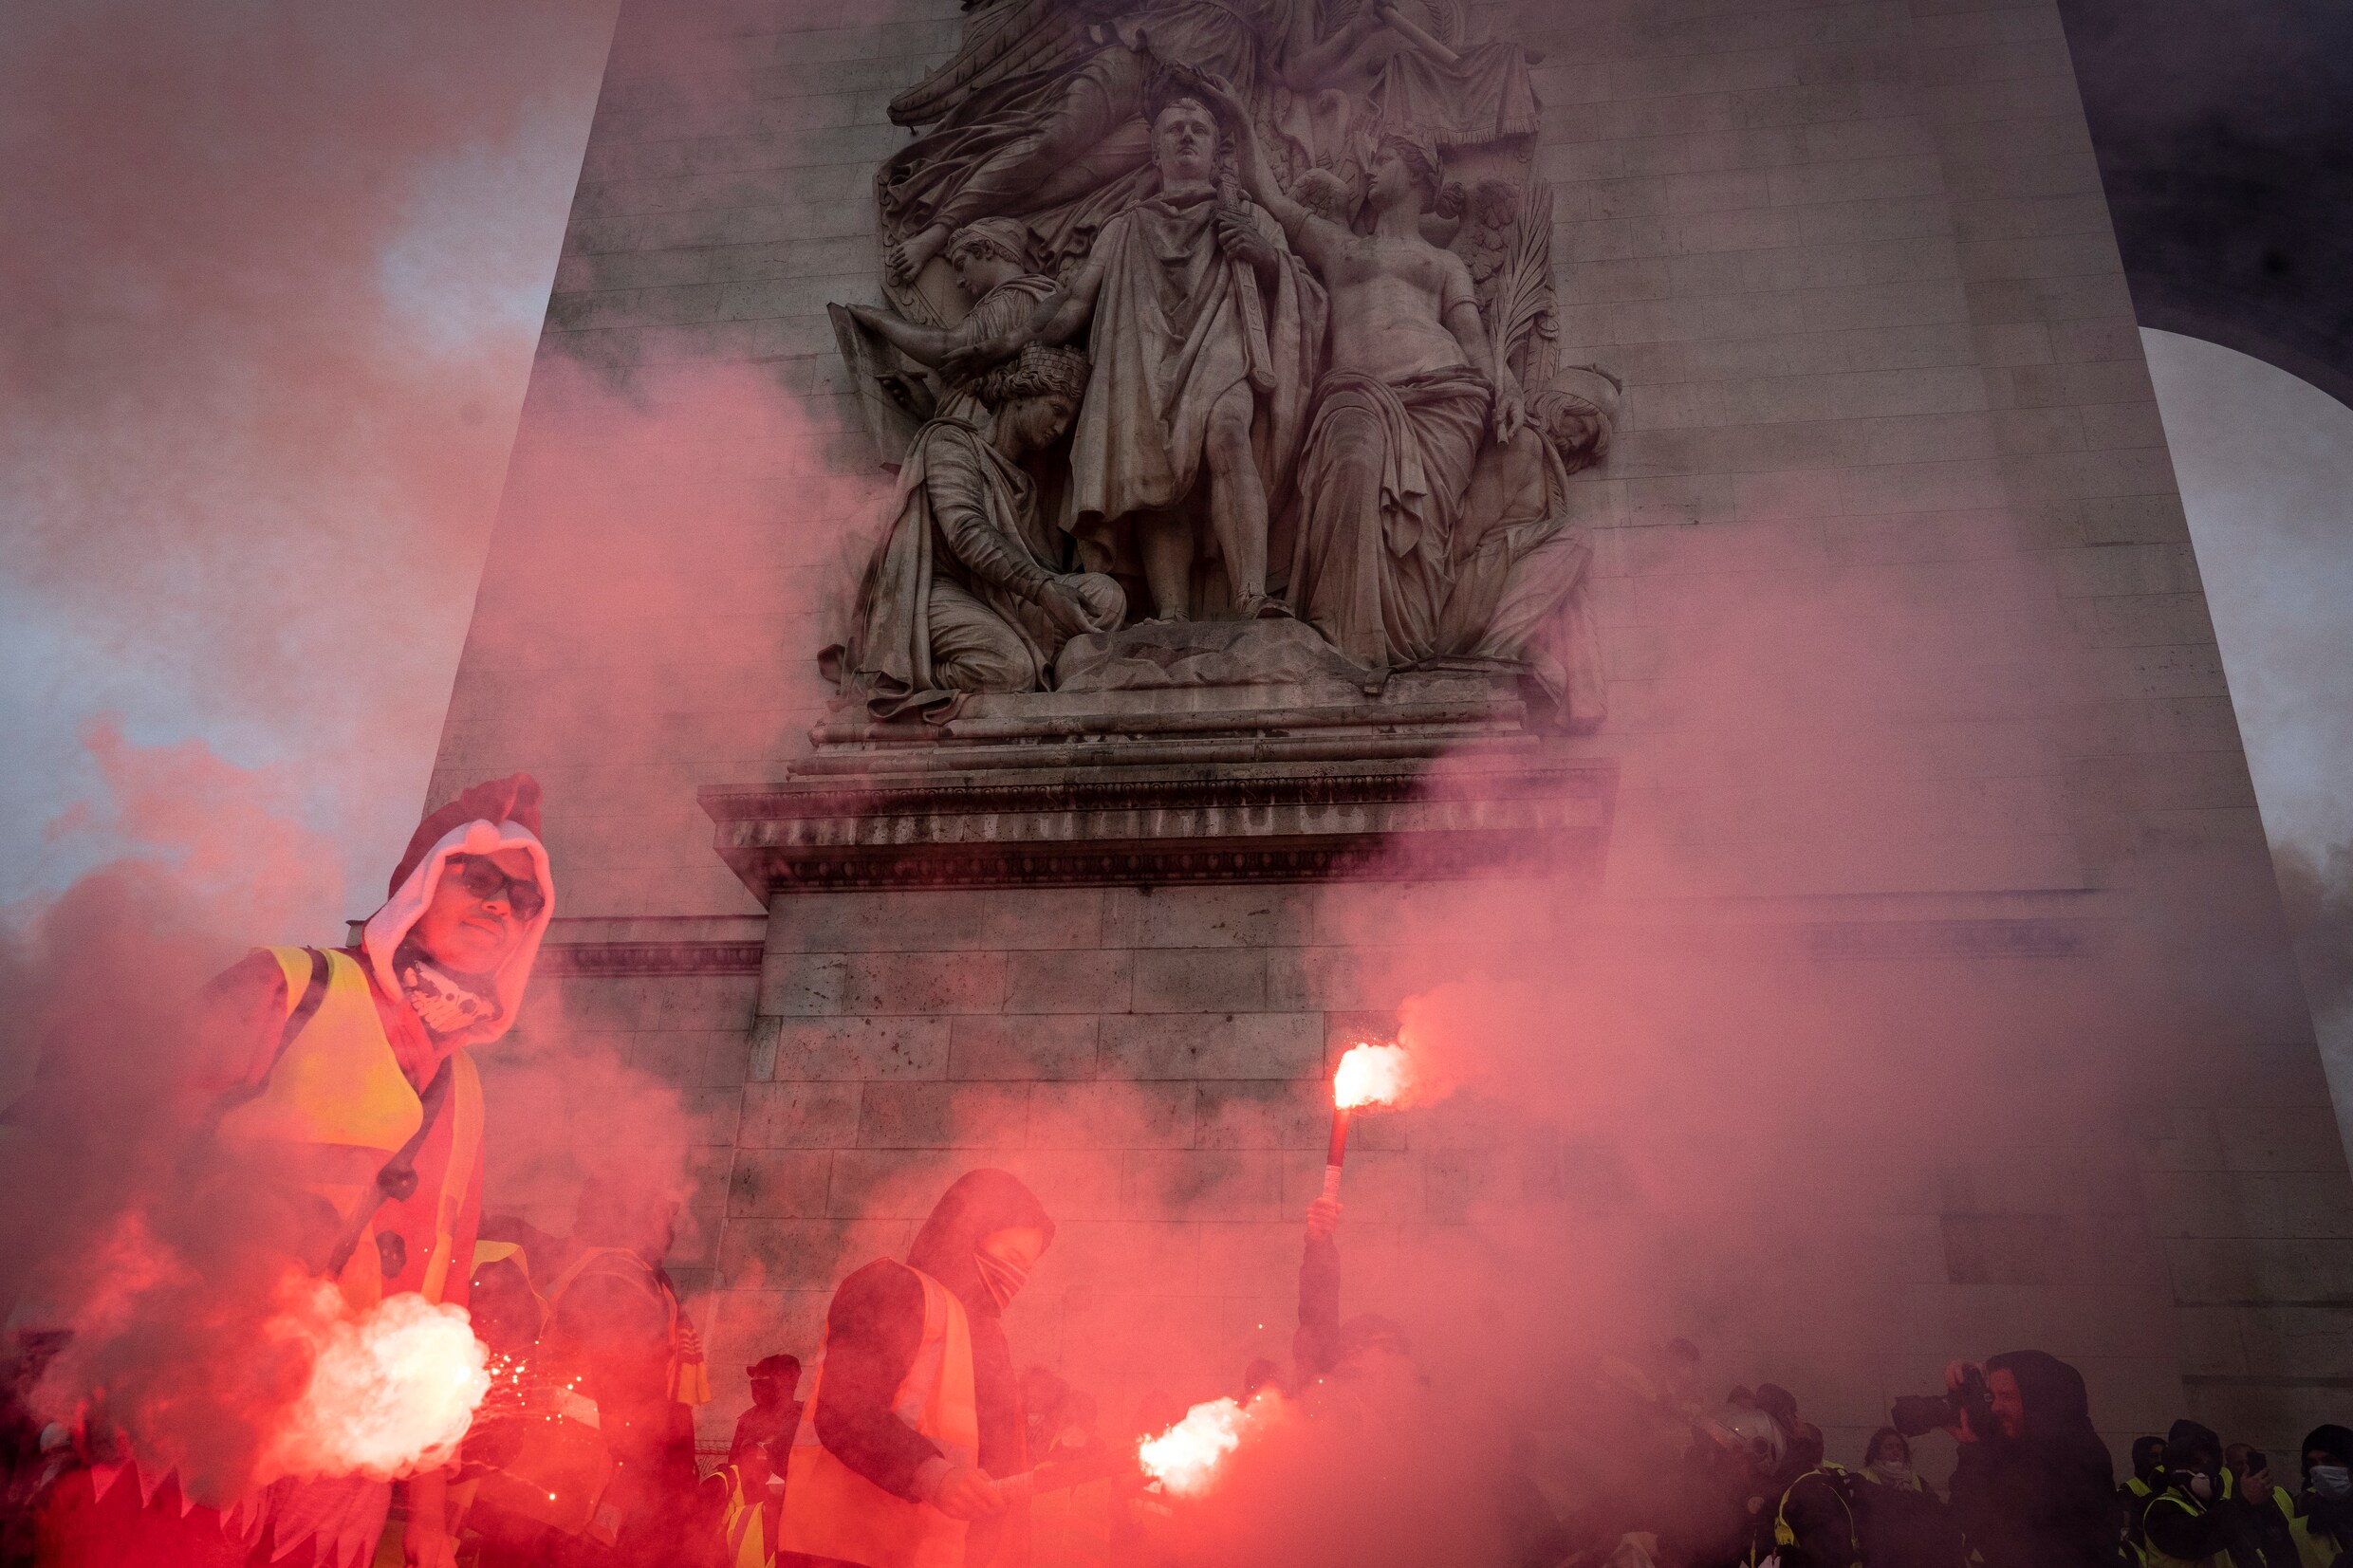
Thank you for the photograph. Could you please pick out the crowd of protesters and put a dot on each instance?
(918, 1444)
(599, 1371)
(2032, 1485)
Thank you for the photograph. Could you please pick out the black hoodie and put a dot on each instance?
(2047, 1498)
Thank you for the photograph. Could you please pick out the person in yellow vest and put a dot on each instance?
(2146, 1480)
(747, 1493)
(617, 1322)
(1815, 1523)
(348, 1071)
(534, 1464)
(2270, 1514)
(915, 1417)
(2197, 1520)
(749, 1503)
(2323, 1526)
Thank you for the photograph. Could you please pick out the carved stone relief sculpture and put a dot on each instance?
(1317, 425)
(961, 594)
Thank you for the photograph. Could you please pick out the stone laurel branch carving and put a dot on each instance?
(1311, 272)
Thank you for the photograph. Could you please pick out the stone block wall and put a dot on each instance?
(1886, 391)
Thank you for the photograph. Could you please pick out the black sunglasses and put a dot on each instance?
(482, 878)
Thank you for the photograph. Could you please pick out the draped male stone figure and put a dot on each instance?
(1205, 333)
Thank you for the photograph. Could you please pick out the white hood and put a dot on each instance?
(390, 924)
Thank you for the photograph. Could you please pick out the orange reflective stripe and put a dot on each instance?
(458, 1174)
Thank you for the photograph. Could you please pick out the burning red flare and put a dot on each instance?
(1185, 1459)
(1372, 1074)
(392, 1391)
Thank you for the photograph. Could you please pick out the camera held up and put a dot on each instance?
(1914, 1414)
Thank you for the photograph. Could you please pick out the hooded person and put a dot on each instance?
(2199, 1516)
(341, 1080)
(2146, 1480)
(2324, 1524)
(915, 1415)
(2269, 1515)
(2038, 1491)
(1818, 1521)
(619, 1326)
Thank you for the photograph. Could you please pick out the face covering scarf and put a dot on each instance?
(446, 1002)
(1895, 1472)
(1003, 1280)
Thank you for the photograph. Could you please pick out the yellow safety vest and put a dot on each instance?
(832, 1511)
(1071, 1528)
(2313, 1550)
(2141, 1492)
(2157, 1558)
(336, 1109)
(741, 1522)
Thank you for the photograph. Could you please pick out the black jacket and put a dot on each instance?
(1907, 1527)
(2047, 1498)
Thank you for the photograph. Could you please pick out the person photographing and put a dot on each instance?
(2034, 1486)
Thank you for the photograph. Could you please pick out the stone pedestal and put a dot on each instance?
(1432, 775)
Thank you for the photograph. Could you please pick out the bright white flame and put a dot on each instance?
(1372, 1075)
(392, 1391)
(1186, 1458)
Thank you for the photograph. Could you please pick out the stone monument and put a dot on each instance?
(1315, 443)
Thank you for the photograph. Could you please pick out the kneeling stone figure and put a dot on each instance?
(962, 594)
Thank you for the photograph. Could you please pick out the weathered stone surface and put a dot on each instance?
(1204, 653)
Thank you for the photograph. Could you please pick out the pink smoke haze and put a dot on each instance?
(1679, 1092)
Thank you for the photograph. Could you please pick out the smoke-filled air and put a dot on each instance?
(498, 1172)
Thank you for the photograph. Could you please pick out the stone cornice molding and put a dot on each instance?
(1527, 807)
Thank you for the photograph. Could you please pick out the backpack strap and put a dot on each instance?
(397, 1181)
(305, 1010)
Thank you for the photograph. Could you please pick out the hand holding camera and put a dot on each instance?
(1965, 1409)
